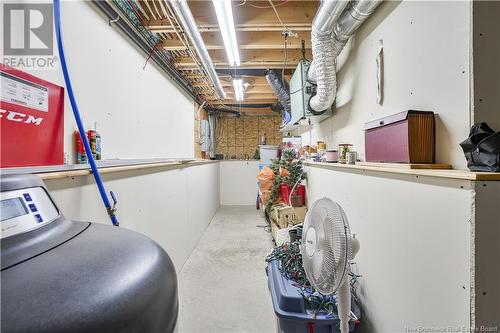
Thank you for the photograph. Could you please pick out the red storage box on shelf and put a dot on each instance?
(405, 137)
(300, 191)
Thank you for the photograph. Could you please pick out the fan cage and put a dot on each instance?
(328, 267)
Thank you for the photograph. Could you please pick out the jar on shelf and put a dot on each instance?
(344, 148)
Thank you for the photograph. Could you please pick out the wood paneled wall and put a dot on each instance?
(238, 137)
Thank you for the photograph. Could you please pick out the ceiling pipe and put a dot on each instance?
(223, 110)
(326, 52)
(188, 24)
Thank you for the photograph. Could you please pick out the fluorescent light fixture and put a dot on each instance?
(224, 12)
(238, 89)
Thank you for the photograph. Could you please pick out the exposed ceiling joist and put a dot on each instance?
(260, 40)
(252, 59)
(189, 65)
(252, 95)
(253, 80)
(253, 101)
(292, 12)
(205, 28)
(272, 42)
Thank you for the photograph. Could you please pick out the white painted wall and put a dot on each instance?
(238, 182)
(139, 113)
(415, 245)
(426, 67)
(171, 206)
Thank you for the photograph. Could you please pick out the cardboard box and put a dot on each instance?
(285, 215)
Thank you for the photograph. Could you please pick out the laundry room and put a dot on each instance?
(250, 166)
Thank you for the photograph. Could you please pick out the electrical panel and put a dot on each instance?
(301, 91)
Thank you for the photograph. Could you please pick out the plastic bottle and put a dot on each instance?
(81, 158)
(92, 136)
(97, 143)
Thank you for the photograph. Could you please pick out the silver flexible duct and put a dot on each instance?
(280, 87)
(188, 23)
(324, 22)
(322, 69)
(326, 77)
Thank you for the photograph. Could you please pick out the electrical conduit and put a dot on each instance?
(76, 113)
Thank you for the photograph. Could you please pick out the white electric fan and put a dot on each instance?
(327, 248)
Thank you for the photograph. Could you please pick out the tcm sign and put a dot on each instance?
(31, 120)
(20, 117)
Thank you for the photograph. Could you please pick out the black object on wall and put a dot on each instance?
(482, 148)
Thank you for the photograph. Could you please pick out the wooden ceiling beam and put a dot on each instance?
(250, 59)
(247, 41)
(276, 56)
(247, 95)
(195, 76)
(189, 65)
(301, 12)
(253, 80)
(252, 90)
(259, 90)
(246, 101)
(206, 28)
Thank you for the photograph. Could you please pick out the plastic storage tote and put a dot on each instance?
(290, 307)
(268, 153)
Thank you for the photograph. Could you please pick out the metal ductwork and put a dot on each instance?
(280, 87)
(331, 31)
(188, 23)
(323, 24)
(276, 107)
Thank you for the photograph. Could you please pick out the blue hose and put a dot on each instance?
(76, 113)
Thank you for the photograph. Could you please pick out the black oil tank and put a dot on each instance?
(59, 275)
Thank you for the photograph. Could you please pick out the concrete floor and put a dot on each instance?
(223, 285)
